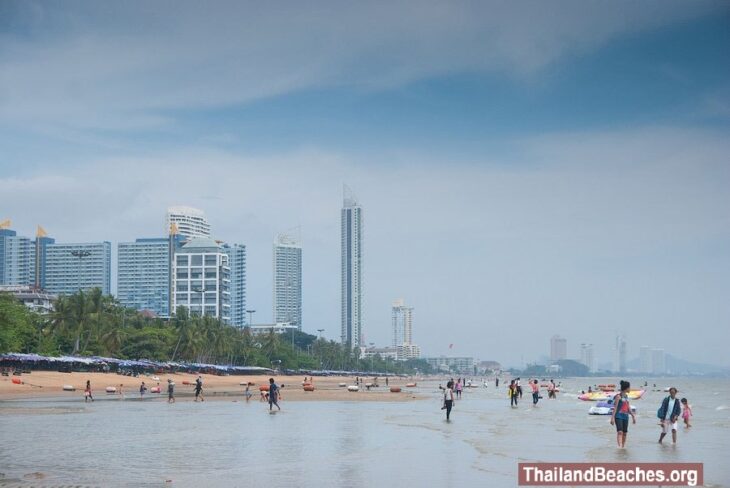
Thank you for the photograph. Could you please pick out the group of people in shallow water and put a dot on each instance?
(514, 390)
(669, 412)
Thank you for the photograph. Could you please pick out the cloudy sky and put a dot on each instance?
(526, 168)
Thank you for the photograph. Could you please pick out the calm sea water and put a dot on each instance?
(322, 444)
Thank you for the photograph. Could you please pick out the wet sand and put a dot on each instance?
(49, 384)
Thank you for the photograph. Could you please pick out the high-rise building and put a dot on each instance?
(190, 222)
(645, 359)
(558, 348)
(39, 261)
(16, 258)
(287, 280)
(201, 279)
(620, 354)
(402, 323)
(143, 275)
(237, 263)
(351, 235)
(587, 357)
(658, 361)
(70, 267)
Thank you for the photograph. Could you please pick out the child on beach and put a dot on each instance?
(621, 412)
(686, 413)
(87, 392)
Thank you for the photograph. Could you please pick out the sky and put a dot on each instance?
(525, 168)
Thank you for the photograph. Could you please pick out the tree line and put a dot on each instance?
(93, 324)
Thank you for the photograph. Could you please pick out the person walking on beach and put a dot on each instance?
(551, 390)
(535, 392)
(686, 413)
(247, 392)
(170, 391)
(512, 393)
(142, 390)
(496, 381)
(273, 395)
(87, 392)
(121, 391)
(621, 412)
(448, 399)
(519, 387)
(668, 414)
(199, 389)
(458, 389)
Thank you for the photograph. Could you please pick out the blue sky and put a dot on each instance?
(527, 169)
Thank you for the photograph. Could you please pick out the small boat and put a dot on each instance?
(342, 385)
(395, 389)
(17, 381)
(111, 389)
(155, 378)
(410, 385)
(308, 387)
(264, 388)
(69, 388)
(155, 389)
(596, 396)
(353, 388)
(186, 382)
(605, 408)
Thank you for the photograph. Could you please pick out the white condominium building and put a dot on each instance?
(351, 236)
(190, 222)
(288, 281)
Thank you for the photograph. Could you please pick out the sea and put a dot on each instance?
(62, 442)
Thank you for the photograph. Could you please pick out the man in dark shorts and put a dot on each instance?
(199, 389)
(273, 395)
(170, 391)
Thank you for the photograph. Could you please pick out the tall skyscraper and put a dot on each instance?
(402, 323)
(558, 348)
(70, 267)
(201, 279)
(16, 257)
(587, 357)
(620, 354)
(190, 222)
(287, 280)
(645, 359)
(39, 262)
(237, 263)
(143, 275)
(351, 235)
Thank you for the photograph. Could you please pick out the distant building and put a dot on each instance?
(658, 361)
(463, 365)
(351, 241)
(201, 279)
(587, 357)
(489, 367)
(70, 267)
(190, 222)
(287, 299)
(558, 348)
(237, 262)
(383, 352)
(402, 324)
(278, 328)
(143, 275)
(620, 354)
(645, 365)
(35, 300)
(16, 258)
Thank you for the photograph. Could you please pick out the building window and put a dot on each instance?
(182, 274)
(182, 260)
(196, 260)
(211, 260)
(196, 273)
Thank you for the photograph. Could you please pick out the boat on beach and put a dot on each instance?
(597, 396)
(605, 408)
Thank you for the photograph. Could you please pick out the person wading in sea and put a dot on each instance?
(668, 414)
(535, 392)
(621, 412)
(448, 399)
(273, 395)
(87, 392)
(512, 393)
(199, 389)
(170, 391)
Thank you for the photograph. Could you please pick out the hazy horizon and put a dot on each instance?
(524, 169)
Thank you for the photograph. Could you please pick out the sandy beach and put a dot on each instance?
(49, 384)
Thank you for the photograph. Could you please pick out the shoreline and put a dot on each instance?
(48, 385)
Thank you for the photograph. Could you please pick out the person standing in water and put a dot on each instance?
(551, 389)
(273, 395)
(142, 390)
(87, 392)
(449, 399)
(686, 413)
(621, 412)
(668, 414)
(247, 392)
(496, 381)
(458, 389)
(199, 389)
(170, 391)
(512, 393)
(535, 392)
